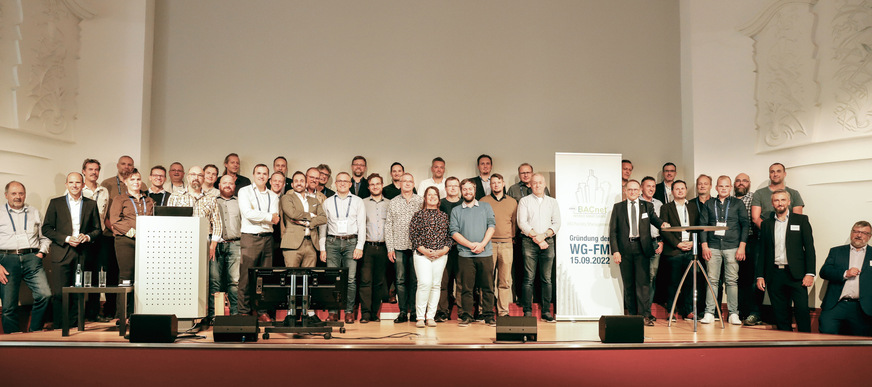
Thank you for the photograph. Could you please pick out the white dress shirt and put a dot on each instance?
(257, 209)
(432, 183)
(349, 210)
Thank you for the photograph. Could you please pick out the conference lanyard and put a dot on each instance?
(347, 211)
(257, 199)
(136, 210)
(118, 184)
(81, 207)
(726, 210)
(8, 212)
(163, 199)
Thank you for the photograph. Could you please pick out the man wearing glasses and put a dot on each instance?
(663, 191)
(847, 304)
(156, 191)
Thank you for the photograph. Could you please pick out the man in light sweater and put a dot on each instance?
(506, 213)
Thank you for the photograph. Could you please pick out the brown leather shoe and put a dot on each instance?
(332, 317)
(349, 318)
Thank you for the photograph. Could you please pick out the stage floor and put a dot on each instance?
(448, 335)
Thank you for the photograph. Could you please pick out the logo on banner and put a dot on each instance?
(592, 197)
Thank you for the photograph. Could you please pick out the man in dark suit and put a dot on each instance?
(678, 249)
(71, 222)
(848, 300)
(632, 249)
(787, 263)
(482, 181)
(663, 190)
(359, 185)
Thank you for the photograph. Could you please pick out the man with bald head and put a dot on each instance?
(115, 184)
(22, 247)
(538, 220)
(71, 223)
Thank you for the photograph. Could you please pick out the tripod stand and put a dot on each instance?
(695, 265)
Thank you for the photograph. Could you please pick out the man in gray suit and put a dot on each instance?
(301, 216)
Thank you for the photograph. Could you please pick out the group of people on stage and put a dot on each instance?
(764, 243)
(447, 242)
(442, 235)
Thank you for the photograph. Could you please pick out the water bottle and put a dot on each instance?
(78, 275)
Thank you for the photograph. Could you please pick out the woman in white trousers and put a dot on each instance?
(428, 233)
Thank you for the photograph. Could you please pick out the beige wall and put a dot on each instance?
(407, 81)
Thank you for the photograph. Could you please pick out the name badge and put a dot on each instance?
(342, 227)
(721, 232)
(644, 215)
(22, 241)
(794, 227)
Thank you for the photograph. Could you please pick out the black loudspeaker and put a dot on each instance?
(153, 328)
(235, 328)
(516, 328)
(621, 329)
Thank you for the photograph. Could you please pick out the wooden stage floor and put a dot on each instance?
(449, 335)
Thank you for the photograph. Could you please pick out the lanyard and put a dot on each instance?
(347, 211)
(257, 199)
(685, 220)
(81, 207)
(118, 184)
(163, 199)
(136, 210)
(726, 209)
(13, 222)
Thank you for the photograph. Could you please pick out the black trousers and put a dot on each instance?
(125, 252)
(846, 318)
(64, 274)
(447, 294)
(750, 297)
(636, 274)
(783, 290)
(677, 265)
(372, 279)
(477, 273)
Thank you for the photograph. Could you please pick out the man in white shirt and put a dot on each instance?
(539, 220)
(342, 238)
(259, 208)
(22, 248)
(847, 303)
(648, 188)
(437, 170)
(101, 249)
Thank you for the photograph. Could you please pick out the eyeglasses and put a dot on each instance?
(160, 176)
(866, 233)
(343, 181)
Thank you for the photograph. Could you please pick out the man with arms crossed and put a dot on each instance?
(259, 208)
(302, 216)
(539, 220)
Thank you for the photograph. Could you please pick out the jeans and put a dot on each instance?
(727, 259)
(225, 269)
(27, 267)
(655, 265)
(535, 257)
(407, 282)
(340, 253)
(429, 275)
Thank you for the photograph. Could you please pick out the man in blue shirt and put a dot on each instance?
(472, 225)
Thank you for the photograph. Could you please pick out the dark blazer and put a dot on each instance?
(363, 191)
(798, 243)
(669, 214)
(479, 188)
(58, 225)
(619, 227)
(833, 271)
(660, 193)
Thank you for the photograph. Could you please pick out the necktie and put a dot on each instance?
(634, 226)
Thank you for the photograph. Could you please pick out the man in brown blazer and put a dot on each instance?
(301, 215)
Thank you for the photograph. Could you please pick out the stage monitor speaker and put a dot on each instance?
(235, 328)
(153, 328)
(516, 328)
(621, 329)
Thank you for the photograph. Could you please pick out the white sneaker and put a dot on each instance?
(431, 322)
(735, 320)
(420, 324)
(708, 318)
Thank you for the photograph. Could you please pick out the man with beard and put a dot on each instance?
(471, 225)
(302, 215)
(204, 206)
(359, 184)
(115, 185)
(761, 205)
(787, 263)
(225, 267)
